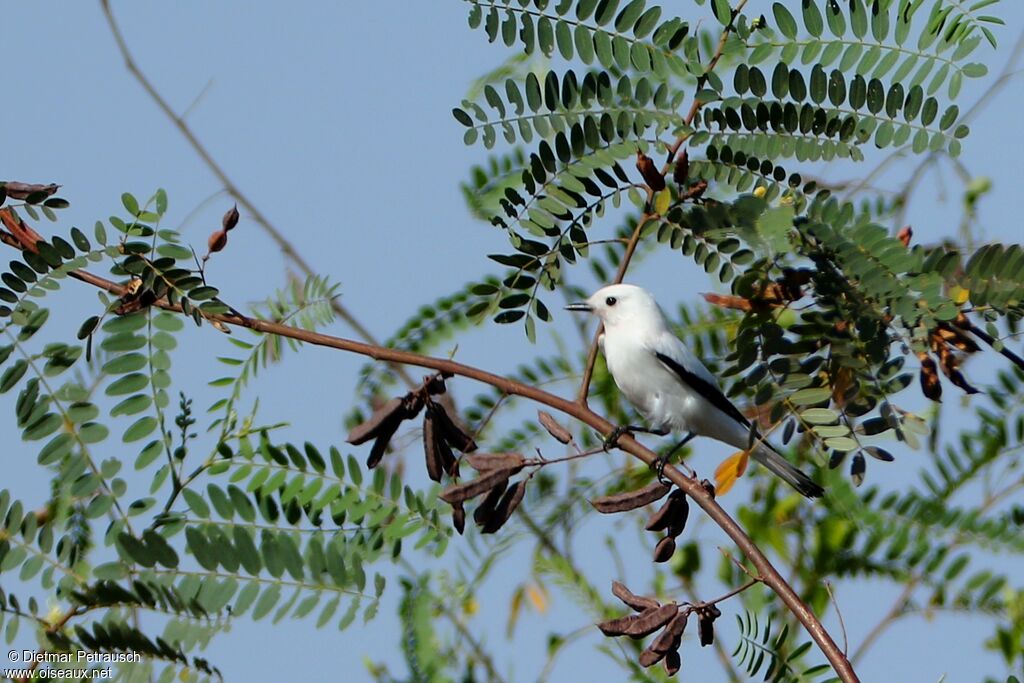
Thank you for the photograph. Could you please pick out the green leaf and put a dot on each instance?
(784, 20)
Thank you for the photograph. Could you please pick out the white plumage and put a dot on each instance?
(668, 384)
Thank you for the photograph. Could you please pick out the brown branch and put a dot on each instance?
(634, 240)
(287, 248)
(766, 572)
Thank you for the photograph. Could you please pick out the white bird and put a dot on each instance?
(669, 386)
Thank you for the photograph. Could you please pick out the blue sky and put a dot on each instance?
(334, 118)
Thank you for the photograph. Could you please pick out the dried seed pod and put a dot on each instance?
(696, 190)
(673, 662)
(637, 602)
(664, 517)
(552, 426)
(681, 171)
(369, 429)
(435, 384)
(665, 549)
(485, 509)
(435, 466)
(706, 629)
(905, 234)
(652, 176)
(671, 635)
(230, 218)
(491, 461)
(639, 625)
(380, 445)
(649, 658)
(950, 366)
(459, 517)
(449, 462)
(474, 487)
(631, 500)
(509, 502)
(16, 190)
(678, 521)
(218, 240)
(931, 387)
(453, 433)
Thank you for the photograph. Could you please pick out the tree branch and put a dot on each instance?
(287, 248)
(768, 574)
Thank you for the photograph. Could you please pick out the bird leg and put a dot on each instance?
(659, 464)
(613, 438)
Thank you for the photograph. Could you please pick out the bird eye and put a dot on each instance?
(611, 300)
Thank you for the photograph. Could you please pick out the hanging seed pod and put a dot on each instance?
(668, 514)
(371, 427)
(631, 500)
(681, 171)
(649, 658)
(637, 602)
(453, 433)
(652, 176)
(459, 517)
(509, 502)
(706, 630)
(665, 549)
(673, 662)
(931, 387)
(486, 508)
(230, 218)
(16, 190)
(475, 487)
(380, 445)
(640, 625)
(482, 462)
(671, 635)
(435, 466)
(553, 428)
(696, 190)
(435, 384)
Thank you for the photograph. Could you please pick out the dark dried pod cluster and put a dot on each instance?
(500, 501)
(385, 421)
(670, 518)
(219, 238)
(650, 616)
(652, 176)
(681, 170)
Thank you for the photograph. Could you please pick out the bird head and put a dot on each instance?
(621, 305)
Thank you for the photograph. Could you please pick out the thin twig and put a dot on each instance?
(634, 240)
(766, 571)
(277, 235)
(842, 624)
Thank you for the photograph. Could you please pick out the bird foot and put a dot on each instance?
(612, 440)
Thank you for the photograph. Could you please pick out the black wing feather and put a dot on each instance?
(706, 389)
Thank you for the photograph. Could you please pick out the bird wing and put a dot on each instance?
(674, 355)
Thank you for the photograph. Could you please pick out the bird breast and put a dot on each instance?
(648, 385)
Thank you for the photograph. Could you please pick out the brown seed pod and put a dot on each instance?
(652, 176)
(671, 635)
(380, 445)
(931, 387)
(905, 234)
(490, 461)
(218, 240)
(230, 218)
(475, 487)
(667, 515)
(552, 426)
(649, 658)
(696, 190)
(509, 502)
(16, 190)
(637, 602)
(369, 429)
(631, 500)
(453, 433)
(665, 549)
(706, 629)
(678, 521)
(640, 625)
(486, 508)
(435, 383)
(673, 662)
(459, 517)
(681, 171)
(435, 466)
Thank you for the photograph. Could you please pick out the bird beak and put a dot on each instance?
(582, 306)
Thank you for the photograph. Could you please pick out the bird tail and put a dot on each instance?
(785, 470)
